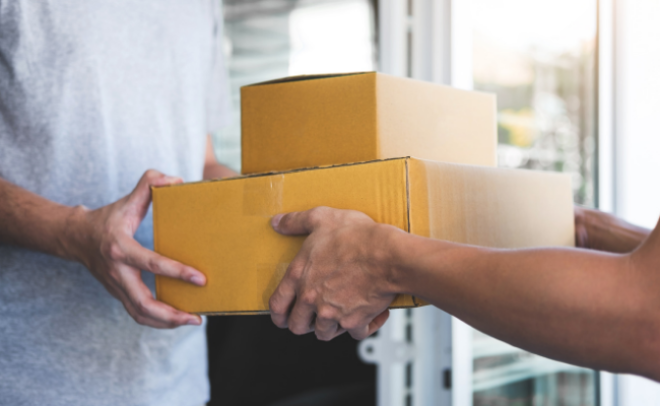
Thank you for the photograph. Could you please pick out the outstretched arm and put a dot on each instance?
(595, 309)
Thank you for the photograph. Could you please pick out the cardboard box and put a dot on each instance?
(308, 121)
(223, 227)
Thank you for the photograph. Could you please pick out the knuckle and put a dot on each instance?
(296, 270)
(308, 297)
(317, 214)
(326, 313)
(272, 305)
(183, 272)
(141, 308)
(151, 174)
(276, 306)
(155, 266)
(113, 251)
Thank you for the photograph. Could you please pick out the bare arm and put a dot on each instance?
(589, 308)
(33, 222)
(102, 240)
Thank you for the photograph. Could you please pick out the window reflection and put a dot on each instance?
(270, 39)
(539, 58)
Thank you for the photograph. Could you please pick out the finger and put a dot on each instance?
(291, 223)
(140, 197)
(130, 309)
(359, 333)
(300, 222)
(146, 309)
(302, 317)
(145, 259)
(281, 301)
(378, 322)
(119, 294)
(363, 329)
(326, 329)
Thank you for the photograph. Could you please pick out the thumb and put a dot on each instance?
(299, 222)
(140, 198)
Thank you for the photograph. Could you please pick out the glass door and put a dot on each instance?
(539, 58)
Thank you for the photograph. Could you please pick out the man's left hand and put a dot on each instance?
(340, 280)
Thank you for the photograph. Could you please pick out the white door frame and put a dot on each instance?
(424, 356)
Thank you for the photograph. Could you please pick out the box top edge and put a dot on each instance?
(491, 168)
(262, 174)
(301, 78)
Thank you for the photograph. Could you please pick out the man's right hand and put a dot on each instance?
(103, 241)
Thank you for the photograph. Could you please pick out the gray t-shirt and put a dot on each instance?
(93, 93)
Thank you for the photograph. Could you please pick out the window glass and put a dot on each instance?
(538, 57)
(270, 39)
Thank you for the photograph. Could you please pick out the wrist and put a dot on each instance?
(392, 258)
(74, 234)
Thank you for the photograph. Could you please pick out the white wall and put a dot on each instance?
(637, 164)
(638, 110)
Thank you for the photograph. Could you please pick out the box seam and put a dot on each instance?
(377, 118)
(409, 226)
(263, 174)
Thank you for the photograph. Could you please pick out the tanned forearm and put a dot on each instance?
(32, 222)
(584, 307)
(103, 241)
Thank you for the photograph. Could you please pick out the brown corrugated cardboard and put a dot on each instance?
(223, 227)
(307, 121)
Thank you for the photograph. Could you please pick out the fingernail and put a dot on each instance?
(198, 280)
(194, 322)
(276, 220)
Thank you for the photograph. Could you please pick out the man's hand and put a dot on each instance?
(341, 278)
(103, 241)
(602, 231)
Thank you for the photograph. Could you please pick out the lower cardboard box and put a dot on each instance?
(222, 227)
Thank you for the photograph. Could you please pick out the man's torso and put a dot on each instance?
(93, 93)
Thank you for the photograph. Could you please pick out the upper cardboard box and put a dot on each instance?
(223, 227)
(308, 121)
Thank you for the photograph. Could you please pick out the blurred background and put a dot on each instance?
(577, 91)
